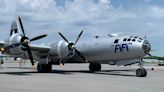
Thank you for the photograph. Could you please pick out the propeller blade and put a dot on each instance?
(30, 55)
(78, 36)
(81, 55)
(71, 46)
(38, 37)
(2, 60)
(21, 25)
(63, 37)
(62, 62)
(149, 54)
(13, 46)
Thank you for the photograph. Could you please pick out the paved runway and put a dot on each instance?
(76, 78)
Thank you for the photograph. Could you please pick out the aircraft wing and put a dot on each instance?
(2, 44)
(39, 51)
(40, 48)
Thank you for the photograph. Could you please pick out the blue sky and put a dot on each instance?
(124, 17)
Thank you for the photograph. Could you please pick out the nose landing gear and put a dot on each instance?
(141, 72)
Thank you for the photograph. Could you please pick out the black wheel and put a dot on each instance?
(49, 67)
(40, 68)
(145, 72)
(94, 67)
(141, 72)
(44, 68)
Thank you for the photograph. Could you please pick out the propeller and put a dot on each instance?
(149, 54)
(25, 41)
(71, 47)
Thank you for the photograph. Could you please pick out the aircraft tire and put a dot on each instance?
(141, 72)
(49, 67)
(44, 68)
(95, 67)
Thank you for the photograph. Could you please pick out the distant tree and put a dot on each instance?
(155, 57)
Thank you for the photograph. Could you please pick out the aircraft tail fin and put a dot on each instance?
(14, 28)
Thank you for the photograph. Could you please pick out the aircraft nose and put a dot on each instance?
(146, 47)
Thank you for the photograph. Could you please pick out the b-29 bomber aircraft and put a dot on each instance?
(114, 50)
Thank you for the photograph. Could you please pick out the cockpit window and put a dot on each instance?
(129, 39)
(96, 37)
(13, 31)
(125, 39)
(133, 40)
(140, 38)
(116, 41)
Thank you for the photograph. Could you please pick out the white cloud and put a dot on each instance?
(102, 17)
(40, 16)
(157, 11)
(82, 12)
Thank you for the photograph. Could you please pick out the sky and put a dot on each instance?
(95, 17)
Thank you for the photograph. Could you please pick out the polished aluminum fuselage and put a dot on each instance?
(101, 49)
(105, 50)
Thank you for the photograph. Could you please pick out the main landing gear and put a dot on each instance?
(95, 67)
(44, 68)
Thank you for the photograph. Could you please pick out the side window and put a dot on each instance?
(139, 40)
(116, 40)
(13, 31)
(129, 39)
(131, 36)
(133, 40)
(125, 39)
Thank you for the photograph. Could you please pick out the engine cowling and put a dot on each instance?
(60, 50)
(13, 40)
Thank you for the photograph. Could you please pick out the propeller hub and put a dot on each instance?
(71, 46)
(24, 41)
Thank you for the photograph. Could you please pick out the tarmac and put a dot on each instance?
(77, 78)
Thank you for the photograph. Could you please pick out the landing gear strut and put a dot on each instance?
(141, 72)
(44, 68)
(95, 67)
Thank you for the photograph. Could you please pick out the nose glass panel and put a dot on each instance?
(146, 46)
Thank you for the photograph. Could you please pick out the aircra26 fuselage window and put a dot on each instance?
(116, 40)
(129, 39)
(13, 31)
(133, 40)
(125, 39)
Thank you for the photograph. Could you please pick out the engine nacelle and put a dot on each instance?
(14, 39)
(60, 50)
